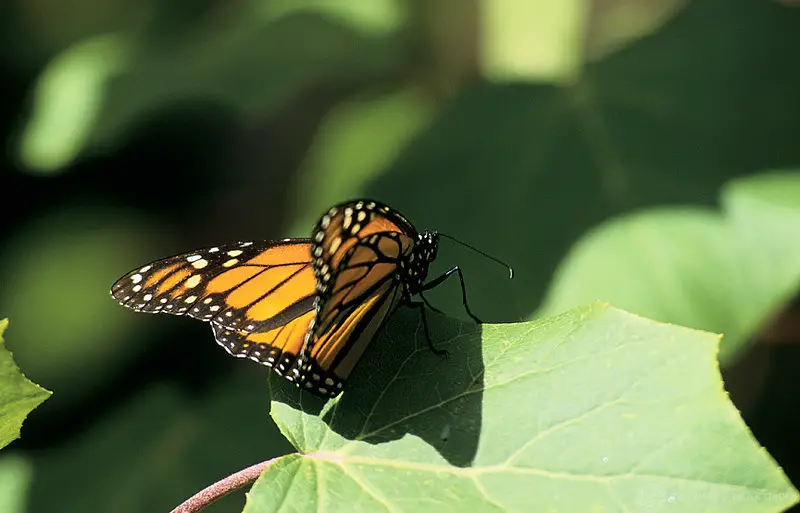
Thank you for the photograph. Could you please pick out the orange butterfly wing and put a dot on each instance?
(357, 249)
(277, 348)
(257, 295)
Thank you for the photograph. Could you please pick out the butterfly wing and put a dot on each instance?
(356, 250)
(250, 287)
(277, 348)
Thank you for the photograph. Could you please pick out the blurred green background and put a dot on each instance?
(134, 131)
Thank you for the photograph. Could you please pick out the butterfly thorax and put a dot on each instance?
(413, 270)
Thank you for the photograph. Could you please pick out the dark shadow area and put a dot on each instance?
(400, 387)
(188, 359)
(775, 418)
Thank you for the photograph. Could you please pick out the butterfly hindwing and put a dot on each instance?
(277, 348)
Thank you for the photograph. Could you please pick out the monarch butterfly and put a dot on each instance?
(308, 308)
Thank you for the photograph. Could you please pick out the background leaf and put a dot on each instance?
(15, 476)
(378, 17)
(66, 102)
(18, 395)
(514, 32)
(620, 414)
(614, 23)
(228, 63)
(728, 272)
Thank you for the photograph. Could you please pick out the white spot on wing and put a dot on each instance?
(193, 281)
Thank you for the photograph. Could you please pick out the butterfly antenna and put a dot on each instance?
(476, 250)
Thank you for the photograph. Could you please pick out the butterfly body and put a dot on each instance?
(308, 308)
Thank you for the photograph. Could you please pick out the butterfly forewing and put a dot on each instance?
(362, 272)
(246, 286)
(356, 250)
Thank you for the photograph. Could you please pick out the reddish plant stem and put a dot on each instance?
(223, 487)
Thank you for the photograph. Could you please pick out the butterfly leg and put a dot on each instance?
(438, 352)
(440, 279)
(429, 305)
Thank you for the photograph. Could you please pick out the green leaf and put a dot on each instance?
(532, 40)
(376, 17)
(619, 22)
(726, 272)
(18, 395)
(68, 100)
(15, 477)
(593, 410)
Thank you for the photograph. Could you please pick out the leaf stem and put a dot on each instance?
(223, 487)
